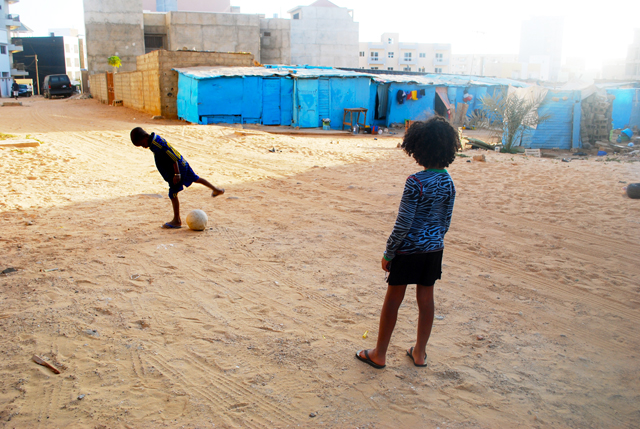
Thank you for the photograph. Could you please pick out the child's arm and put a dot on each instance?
(406, 213)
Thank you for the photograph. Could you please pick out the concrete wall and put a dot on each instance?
(324, 36)
(153, 87)
(275, 41)
(113, 28)
(220, 32)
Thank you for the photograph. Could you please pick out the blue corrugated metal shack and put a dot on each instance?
(434, 92)
(626, 107)
(271, 96)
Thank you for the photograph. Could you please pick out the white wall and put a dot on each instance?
(391, 55)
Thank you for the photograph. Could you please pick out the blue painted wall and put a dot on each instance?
(187, 94)
(286, 101)
(557, 131)
(623, 107)
(350, 93)
(415, 110)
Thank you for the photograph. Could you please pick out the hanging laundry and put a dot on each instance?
(419, 94)
(414, 95)
(400, 96)
(422, 92)
(408, 95)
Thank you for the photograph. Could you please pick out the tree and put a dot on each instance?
(509, 117)
(114, 61)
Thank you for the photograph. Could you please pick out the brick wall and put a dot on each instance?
(153, 88)
(98, 86)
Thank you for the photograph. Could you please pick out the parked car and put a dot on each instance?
(57, 84)
(24, 91)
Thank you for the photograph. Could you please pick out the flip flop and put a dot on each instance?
(368, 360)
(410, 354)
(169, 226)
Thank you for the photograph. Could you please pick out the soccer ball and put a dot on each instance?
(197, 220)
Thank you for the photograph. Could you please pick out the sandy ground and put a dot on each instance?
(255, 321)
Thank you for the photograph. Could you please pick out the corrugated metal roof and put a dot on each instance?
(313, 72)
(212, 72)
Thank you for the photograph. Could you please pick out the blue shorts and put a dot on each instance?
(187, 177)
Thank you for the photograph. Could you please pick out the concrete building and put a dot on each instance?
(73, 52)
(218, 6)
(541, 47)
(633, 57)
(275, 41)
(114, 27)
(324, 34)
(614, 69)
(391, 54)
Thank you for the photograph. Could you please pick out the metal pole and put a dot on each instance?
(37, 76)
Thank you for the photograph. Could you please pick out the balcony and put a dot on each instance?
(18, 69)
(13, 21)
(441, 61)
(376, 60)
(407, 61)
(15, 46)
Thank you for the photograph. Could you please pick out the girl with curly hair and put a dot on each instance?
(414, 249)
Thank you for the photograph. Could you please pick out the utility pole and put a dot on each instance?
(37, 72)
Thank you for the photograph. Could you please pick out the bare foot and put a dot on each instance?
(217, 191)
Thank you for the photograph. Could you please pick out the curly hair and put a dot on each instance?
(432, 143)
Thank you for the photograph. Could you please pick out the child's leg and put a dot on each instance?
(175, 203)
(216, 191)
(388, 318)
(426, 307)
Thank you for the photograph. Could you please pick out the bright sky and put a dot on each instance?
(471, 26)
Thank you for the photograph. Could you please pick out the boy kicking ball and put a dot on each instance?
(414, 249)
(175, 170)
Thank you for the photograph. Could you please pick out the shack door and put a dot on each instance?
(271, 101)
(308, 103)
(323, 99)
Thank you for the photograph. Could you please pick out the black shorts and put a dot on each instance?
(415, 269)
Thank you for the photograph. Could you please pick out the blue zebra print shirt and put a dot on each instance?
(424, 215)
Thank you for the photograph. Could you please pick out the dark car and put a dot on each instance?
(24, 91)
(57, 84)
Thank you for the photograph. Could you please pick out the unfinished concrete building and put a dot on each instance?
(113, 28)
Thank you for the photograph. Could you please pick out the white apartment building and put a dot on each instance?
(391, 54)
(73, 54)
(500, 65)
(9, 24)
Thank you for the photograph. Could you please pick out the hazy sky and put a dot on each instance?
(489, 26)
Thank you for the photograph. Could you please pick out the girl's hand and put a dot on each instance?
(385, 264)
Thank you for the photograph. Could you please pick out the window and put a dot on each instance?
(423, 55)
(362, 53)
(3, 49)
(68, 62)
(438, 56)
(374, 68)
(296, 15)
(75, 49)
(390, 54)
(76, 62)
(374, 55)
(438, 70)
(390, 41)
(422, 69)
(267, 34)
(153, 42)
(407, 68)
(5, 74)
(67, 48)
(389, 68)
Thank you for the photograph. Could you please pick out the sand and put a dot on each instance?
(255, 321)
